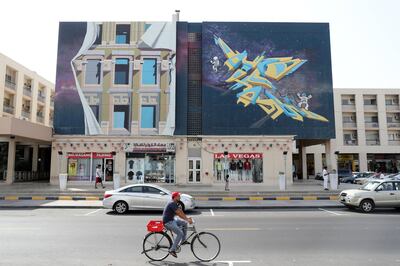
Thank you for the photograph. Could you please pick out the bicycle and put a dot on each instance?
(205, 246)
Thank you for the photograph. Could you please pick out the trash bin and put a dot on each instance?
(63, 181)
(333, 180)
(282, 181)
(117, 180)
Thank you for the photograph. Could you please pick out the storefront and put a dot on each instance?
(241, 167)
(386, 163)
(82, 165)
(151, 162)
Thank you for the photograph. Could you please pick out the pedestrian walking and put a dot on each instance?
(227, 183)
(325, 176)
(98, 177)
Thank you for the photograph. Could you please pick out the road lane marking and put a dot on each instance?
(232, 229)
(87, 214)
(212, 213)
(331, 212)
(232, 262)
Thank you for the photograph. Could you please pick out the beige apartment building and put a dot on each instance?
(26, 120)
(367, 125)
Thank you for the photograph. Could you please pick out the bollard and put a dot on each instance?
(116, 181)
(63, 181)
(333, 180)
(282, 181)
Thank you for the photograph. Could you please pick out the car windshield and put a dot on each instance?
(370, 186)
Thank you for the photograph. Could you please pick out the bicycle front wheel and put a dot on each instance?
(205, 246)
(156, 245)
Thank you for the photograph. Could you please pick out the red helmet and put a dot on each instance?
(175, 194)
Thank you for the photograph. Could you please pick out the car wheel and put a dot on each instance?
(367, 206)
(181, 205)
(121, 207)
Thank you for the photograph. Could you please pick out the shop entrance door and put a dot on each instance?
(194, 170)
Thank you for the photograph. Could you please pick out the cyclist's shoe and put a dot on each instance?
(173, 253)
(185, 243)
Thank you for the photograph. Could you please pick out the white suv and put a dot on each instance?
(379, 193)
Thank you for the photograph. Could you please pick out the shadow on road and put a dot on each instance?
(194, 263)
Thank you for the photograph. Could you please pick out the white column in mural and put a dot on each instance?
(92, 127)
(162, 35)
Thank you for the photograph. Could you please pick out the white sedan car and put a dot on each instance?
(143, 197)
(378, 193)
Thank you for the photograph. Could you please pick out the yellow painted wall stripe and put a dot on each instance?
(282, 198)
(256, 198)
(38, 198)
(310, 198)
(229, 198)
(64, 198)
(11, 198)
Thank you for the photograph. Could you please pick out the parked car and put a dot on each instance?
(351, 179)
(344, 173)
(143, 197)
(364, 179)
(378, 193)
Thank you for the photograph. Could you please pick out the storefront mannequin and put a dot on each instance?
(240, 170)
(247, 169)
(232, 168)
(218, 168)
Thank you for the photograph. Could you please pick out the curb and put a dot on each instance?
(255, 198)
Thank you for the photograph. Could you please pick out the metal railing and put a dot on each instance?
(394, 142)
(26, 176)
(41, 98)
(371, 124)
(8, 109)
(10, 84)
(27, 91)
(372, 142)
(350, 142)
(349, 124)
(40, 119)
(394, 107)
(26, 114)
(392, 125)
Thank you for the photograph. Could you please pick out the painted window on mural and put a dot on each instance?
(149, 72)
(148, 119)
(121, 71)
(93, 72)
(122, 34)
(121, 116)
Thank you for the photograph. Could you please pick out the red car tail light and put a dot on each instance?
(107, 195)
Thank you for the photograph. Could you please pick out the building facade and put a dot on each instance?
(26, 114)
(367, 132)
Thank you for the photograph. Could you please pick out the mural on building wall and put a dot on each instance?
(116, 78)
(267, 78)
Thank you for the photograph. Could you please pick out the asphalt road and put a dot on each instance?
(257, 237)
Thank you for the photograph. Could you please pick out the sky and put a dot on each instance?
(365, 34)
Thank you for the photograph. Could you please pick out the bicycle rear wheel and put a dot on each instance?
(205, 246)
(156, 245)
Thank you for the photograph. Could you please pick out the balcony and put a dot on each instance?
(27, 91)
(352, 142)
(349, 125)
(348, 107)
(370, 107)
(10, 84)
(26, 114)
(40, 119)
(393, 108)
(394, 142)
(371, 125)
(393, 125)
(8, 109)
(41, 98)
(371, 142)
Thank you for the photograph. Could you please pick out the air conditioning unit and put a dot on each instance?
(107, 65)
(137, 64)
(164, 65)
(78, 64)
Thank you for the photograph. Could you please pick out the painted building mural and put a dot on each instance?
(266, 79)
(116, 78)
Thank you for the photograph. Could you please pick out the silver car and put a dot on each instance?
(143, 197)
(379, 193)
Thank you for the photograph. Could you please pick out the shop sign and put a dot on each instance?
(150, 147)
(102, 155)
(78, 155)
(239, 156)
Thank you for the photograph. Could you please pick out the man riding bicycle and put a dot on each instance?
(176, 225)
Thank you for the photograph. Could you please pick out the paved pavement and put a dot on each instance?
(310, 237)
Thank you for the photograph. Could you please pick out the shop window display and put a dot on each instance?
(241, 167)
(78, 169)
(151, 168)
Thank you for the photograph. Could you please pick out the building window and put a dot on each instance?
(121, 71)
(93, 72)
(121, 116)
(148, 119)
(96, 109)
(149, 72)
(99, 34)
(123, 34)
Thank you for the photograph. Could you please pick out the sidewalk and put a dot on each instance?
(305, 194)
